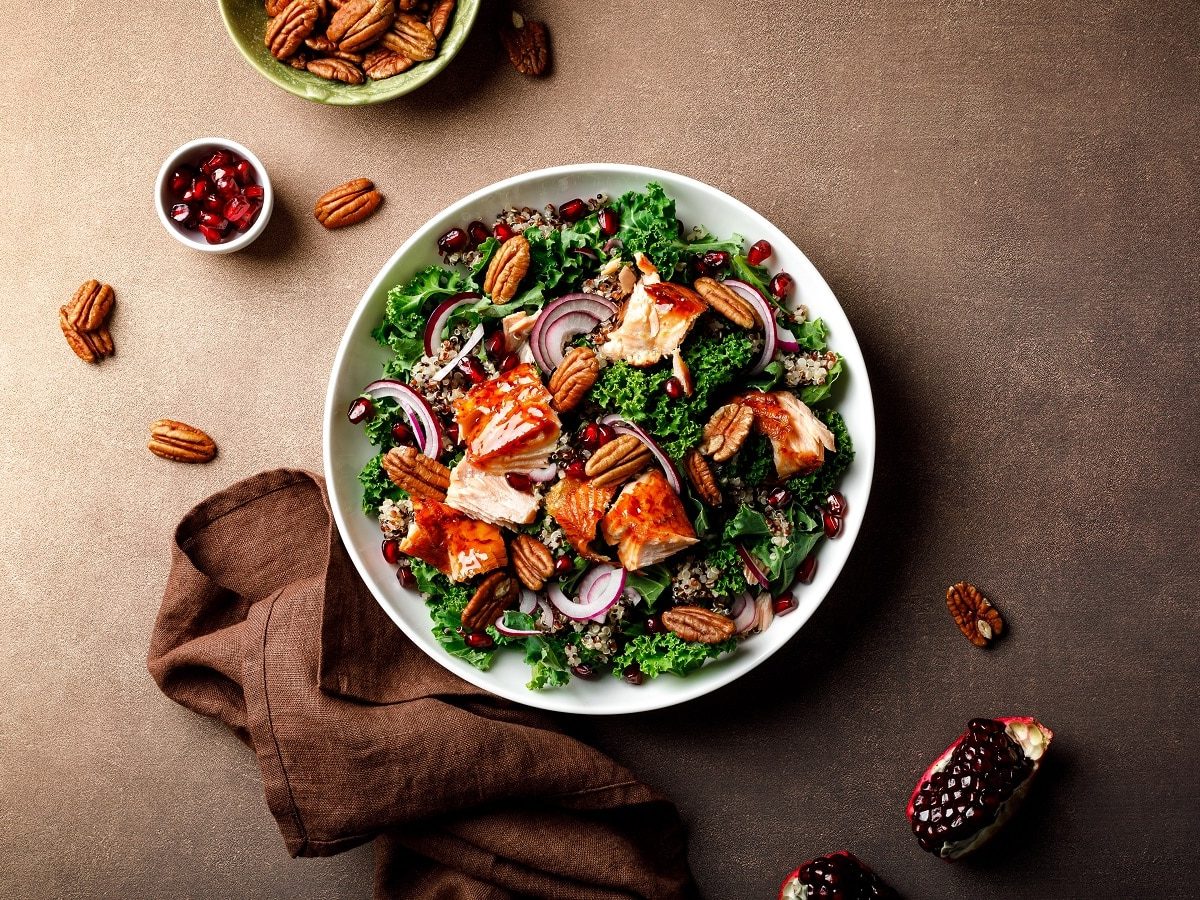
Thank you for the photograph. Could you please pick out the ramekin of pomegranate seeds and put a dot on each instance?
(213, 195)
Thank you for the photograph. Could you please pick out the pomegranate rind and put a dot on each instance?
(792, 889)
(1034, 739)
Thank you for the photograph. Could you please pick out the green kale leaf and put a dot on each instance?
(747, 522)
(664, 651)
(446, 601)
(650, 582)
(649, 225)
(376, 486)
(407, 312)
(815, 393)
(732, 580)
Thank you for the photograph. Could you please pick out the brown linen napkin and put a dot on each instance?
(266, 626)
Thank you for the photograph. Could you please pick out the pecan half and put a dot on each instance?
(527, 43)
(327, 48)
(697, 624)
(82, 344)
(725, 301)
(180, 442)
(496, 593)
(411, 37)
(439, 17)
(275, 7)
(347, 204)
(532, 560)
(360, 23)
(299, 60)
(287, 32)
(90, 307)
(102, 340)
(506, 269)
(384, 63)
(702, 478)
(574, 377)
(416, 473)
(726, 431)
(337, 70)
(974, 614)
(618, 461)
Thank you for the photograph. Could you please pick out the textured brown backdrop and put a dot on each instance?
(1004, 197)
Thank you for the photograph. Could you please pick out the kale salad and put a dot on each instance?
(605, 440)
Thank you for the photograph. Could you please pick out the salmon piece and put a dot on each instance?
(647, 523)
(507, 422)
(578, 506)
(452, 542)
(798, 437)
(517, 327)
(489, 497)
(655, 319)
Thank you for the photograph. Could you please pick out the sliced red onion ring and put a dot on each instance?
(597, 593)
(425, 427)
(564, 319)
(612, 243)
(620, 426)
(787, 340)
(754, 566)
(515, 632)
(528, 601)
(633, 595)
(544, 474)
(441, 315)
(744, 612)
(475, 338)
(766, 315)
(547, 613)
(586, 252)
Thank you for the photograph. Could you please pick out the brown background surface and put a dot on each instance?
(1003, 196)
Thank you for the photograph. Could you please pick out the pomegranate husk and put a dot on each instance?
(1024, 725)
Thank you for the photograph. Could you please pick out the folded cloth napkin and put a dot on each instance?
(266, 626)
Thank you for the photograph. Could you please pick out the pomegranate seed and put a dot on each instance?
(502, 232)
(401, 433)
(391, 551)
(180, 181)
(453, 241)
(451, 432)
(255, 192)
(213, 204)
(673, 388)
(590, 437)
(519, 481)
(632, 674)
(784, 604)
(219, 159)
(360, 408)
(653, 625)
(474, 370)
(510, 362)
(577, 470)
(211, 234)
(480, 640)
(217, 174)
(605, 433)
(781, 285)
(836, 504)
(563, 566)
(808, 569)
(781, 496)
(244, 172)
(181, 212)
(201, 186)
(214, 221)
(407, 578)
(715, 261)
(237, 208)
(759, 252)
(227, 186)
(496, 345)
(832, 523)
(572, 210)
(610, 222)
(248, 219)
(584, 671)
(478, 232)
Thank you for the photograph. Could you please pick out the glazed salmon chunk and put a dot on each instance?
(487, 496)
(578, 506)
(452, 542)
(647, 523)
(798, 437)
(507, 422)
(656, 318)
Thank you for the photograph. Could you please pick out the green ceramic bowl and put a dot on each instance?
(246, 21)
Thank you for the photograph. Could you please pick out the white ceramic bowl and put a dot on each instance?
(360, 359)
(193, 152)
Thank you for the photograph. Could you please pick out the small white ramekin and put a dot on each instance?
(193, 152)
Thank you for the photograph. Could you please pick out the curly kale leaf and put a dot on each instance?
(649, 225)
(732, 580)
(555, 263)
(754, 463)
(407, 311)
(546, 654)
(663, 652)
(446, 601)
(376, 486)
(809, 491)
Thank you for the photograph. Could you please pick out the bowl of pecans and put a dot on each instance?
(349, 52)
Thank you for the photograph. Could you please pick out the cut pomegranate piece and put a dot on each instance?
(217, 160)
(478, 232)
(510, 362)
(244, 172)
(673, 388)
(610, 222)
(480, 640)
(496, 344)
(831, 523)
(781, 496)
(572, 210)
(401, 433)
(808, 569)
(214, 221)
(974, 787)
(563, 566)
(391, 551)
(201, 186)
(181, 212)
(577, 470)
(212, 204)
(453, 241)
(237, 208)
(474, 370)
(781, 285)
(837, 876)
(406, 576)
(254, 192)
(519, 481)
(502, 232)
(227, 186)
(180, 181)
(759, 252)
(211, 234)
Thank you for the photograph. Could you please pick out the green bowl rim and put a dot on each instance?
(343, 95)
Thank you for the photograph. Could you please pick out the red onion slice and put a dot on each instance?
(428, 435)
(753, 565)
(562, 320)
(441, 315)
(744, 613)
(766, 315)
(787, 340)
(598, 593)
(547, 613)
(472, 341)
(620, 426)
(528, 601)
(544, 474)
(515, 632)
